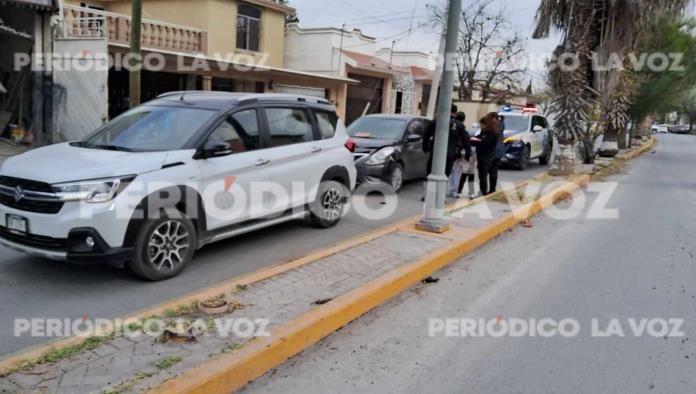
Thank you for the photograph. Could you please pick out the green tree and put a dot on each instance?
(596, 31)
(662, 92)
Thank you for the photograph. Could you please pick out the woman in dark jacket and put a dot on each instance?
(485, 150)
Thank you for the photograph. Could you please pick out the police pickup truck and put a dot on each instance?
(527, 137)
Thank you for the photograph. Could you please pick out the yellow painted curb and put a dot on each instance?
(11, 362)
(638, 151)
(232, 371)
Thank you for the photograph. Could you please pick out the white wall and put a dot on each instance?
(317, 49)
(408, 59)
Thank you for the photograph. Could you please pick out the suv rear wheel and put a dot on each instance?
(327, 209)
(164, 247)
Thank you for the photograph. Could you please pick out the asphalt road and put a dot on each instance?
(641, 266)
(37, 288)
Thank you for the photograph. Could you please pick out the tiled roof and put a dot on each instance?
(420, 72)
(373, 62)
(369, 61)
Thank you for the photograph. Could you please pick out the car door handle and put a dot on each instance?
(316, 149)
(262, 162)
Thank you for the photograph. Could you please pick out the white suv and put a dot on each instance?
(166, 178)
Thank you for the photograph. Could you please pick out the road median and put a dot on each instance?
(298, 303)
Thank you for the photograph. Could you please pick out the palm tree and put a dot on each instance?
(596, 30)
(572, 94)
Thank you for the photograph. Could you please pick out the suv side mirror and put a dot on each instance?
(414, 138)
(537, 129)
(214, 149)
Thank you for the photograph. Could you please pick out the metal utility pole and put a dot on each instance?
(436, 189)
(135, 65)
(437, 75)
(340, 50)
(391, 54)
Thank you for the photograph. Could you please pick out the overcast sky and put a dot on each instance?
(389, 20)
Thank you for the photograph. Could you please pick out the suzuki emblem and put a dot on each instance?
(18, 193)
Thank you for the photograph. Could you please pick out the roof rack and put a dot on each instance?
(261, 97)
(252, 97)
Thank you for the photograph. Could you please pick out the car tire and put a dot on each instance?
(546, 157)
(327, 209)
(524, 160)
(396, 177)
(164, 247)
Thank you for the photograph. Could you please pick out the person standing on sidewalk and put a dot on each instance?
(500, 150)
(485, 150)
(455, 143)
(464, 156)
(468, 170)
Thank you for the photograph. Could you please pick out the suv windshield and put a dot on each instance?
(150, 128)
(377, 128)
(516, 124)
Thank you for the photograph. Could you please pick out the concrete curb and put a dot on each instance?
(632, 154)
(12, 361)
(232, 371)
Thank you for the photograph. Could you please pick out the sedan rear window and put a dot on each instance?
(377, 128)
(150, 128)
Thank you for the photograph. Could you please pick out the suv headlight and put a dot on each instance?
(94, 191)
(380, 157)
(516, 142)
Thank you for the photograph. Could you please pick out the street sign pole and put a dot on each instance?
(436, 189)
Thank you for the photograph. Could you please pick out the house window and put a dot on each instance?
(248, 28)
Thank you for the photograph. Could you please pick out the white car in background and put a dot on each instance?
(660, 128)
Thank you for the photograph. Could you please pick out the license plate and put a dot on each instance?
(16, 223)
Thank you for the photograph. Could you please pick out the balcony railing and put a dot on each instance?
(116, 28)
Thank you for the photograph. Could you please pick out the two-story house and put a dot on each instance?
(388, 81)
(226, 45)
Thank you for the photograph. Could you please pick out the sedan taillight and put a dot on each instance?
(350, 145)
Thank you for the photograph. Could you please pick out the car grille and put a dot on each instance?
(34, 241)
(37, 197)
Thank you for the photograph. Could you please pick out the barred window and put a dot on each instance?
(248, 28)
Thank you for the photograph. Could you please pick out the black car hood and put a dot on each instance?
(372, 143)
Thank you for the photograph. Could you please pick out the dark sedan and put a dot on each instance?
(389, 148)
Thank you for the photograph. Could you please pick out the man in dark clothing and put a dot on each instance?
(499, 153)
(457, 141)
(486, 145)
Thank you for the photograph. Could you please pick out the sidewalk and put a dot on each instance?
(300, 305)
(130, 364)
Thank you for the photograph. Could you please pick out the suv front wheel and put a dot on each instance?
(164, 247)
(327, 209)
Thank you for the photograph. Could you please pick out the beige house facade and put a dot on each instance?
(225, 45)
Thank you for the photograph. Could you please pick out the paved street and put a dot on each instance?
(40, 288)
(639, 266)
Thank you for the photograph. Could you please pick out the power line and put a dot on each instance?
(391, 14)
(378, 41)
(353, 7)
(410, 27)
(386, 20)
